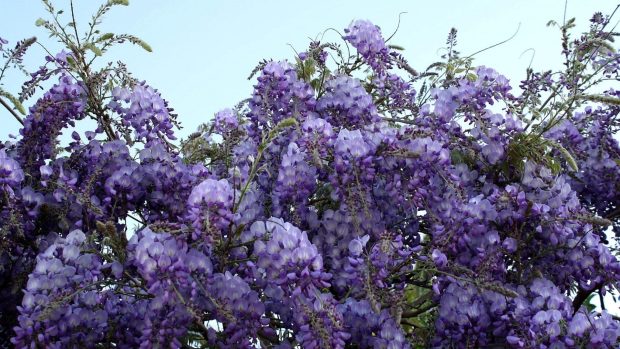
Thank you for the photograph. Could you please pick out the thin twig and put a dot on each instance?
(499, 43)
(8, 107)
(402, 121)
(397, 27)
(77, 37)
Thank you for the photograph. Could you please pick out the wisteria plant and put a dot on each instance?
(352, 201)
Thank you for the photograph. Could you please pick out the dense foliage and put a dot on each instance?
(351, 202)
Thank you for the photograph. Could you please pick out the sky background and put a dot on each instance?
(203, 51)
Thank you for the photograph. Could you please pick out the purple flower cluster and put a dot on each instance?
(162, 172)
(287, 258)
(210, 204)
(167, 266)
(142, 108)
(594, 330)
(346, 103)
(59, 108)
(367, 39)
(346, 207)
(61, 305)
(159, 256)
(370, 329)
(279, 94)
(293, 270)
(11, 174)
(296, 180)
(590, 136)
(225, 121)
(233, 302)
(468, 315)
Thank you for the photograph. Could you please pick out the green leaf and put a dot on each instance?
(118, 2)
(106, 36)
(145, 46)
(305, 69)
(471, 77)
(40, 22)
(588, 303)
(315, 83)
(570, 23)
(16, 103)
(93, 48)
(570, 160)
(457, 157)
(71, 61)
(310, 67)
(286, 123)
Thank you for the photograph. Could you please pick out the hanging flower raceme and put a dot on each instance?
(346, 103)
(279, 95)
(367, 39)
(210, 204)
(142, 108)
(11, 174)
(295, 183)
(61, 304)
(59, 108)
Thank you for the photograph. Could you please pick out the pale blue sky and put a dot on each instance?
(203, 51)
